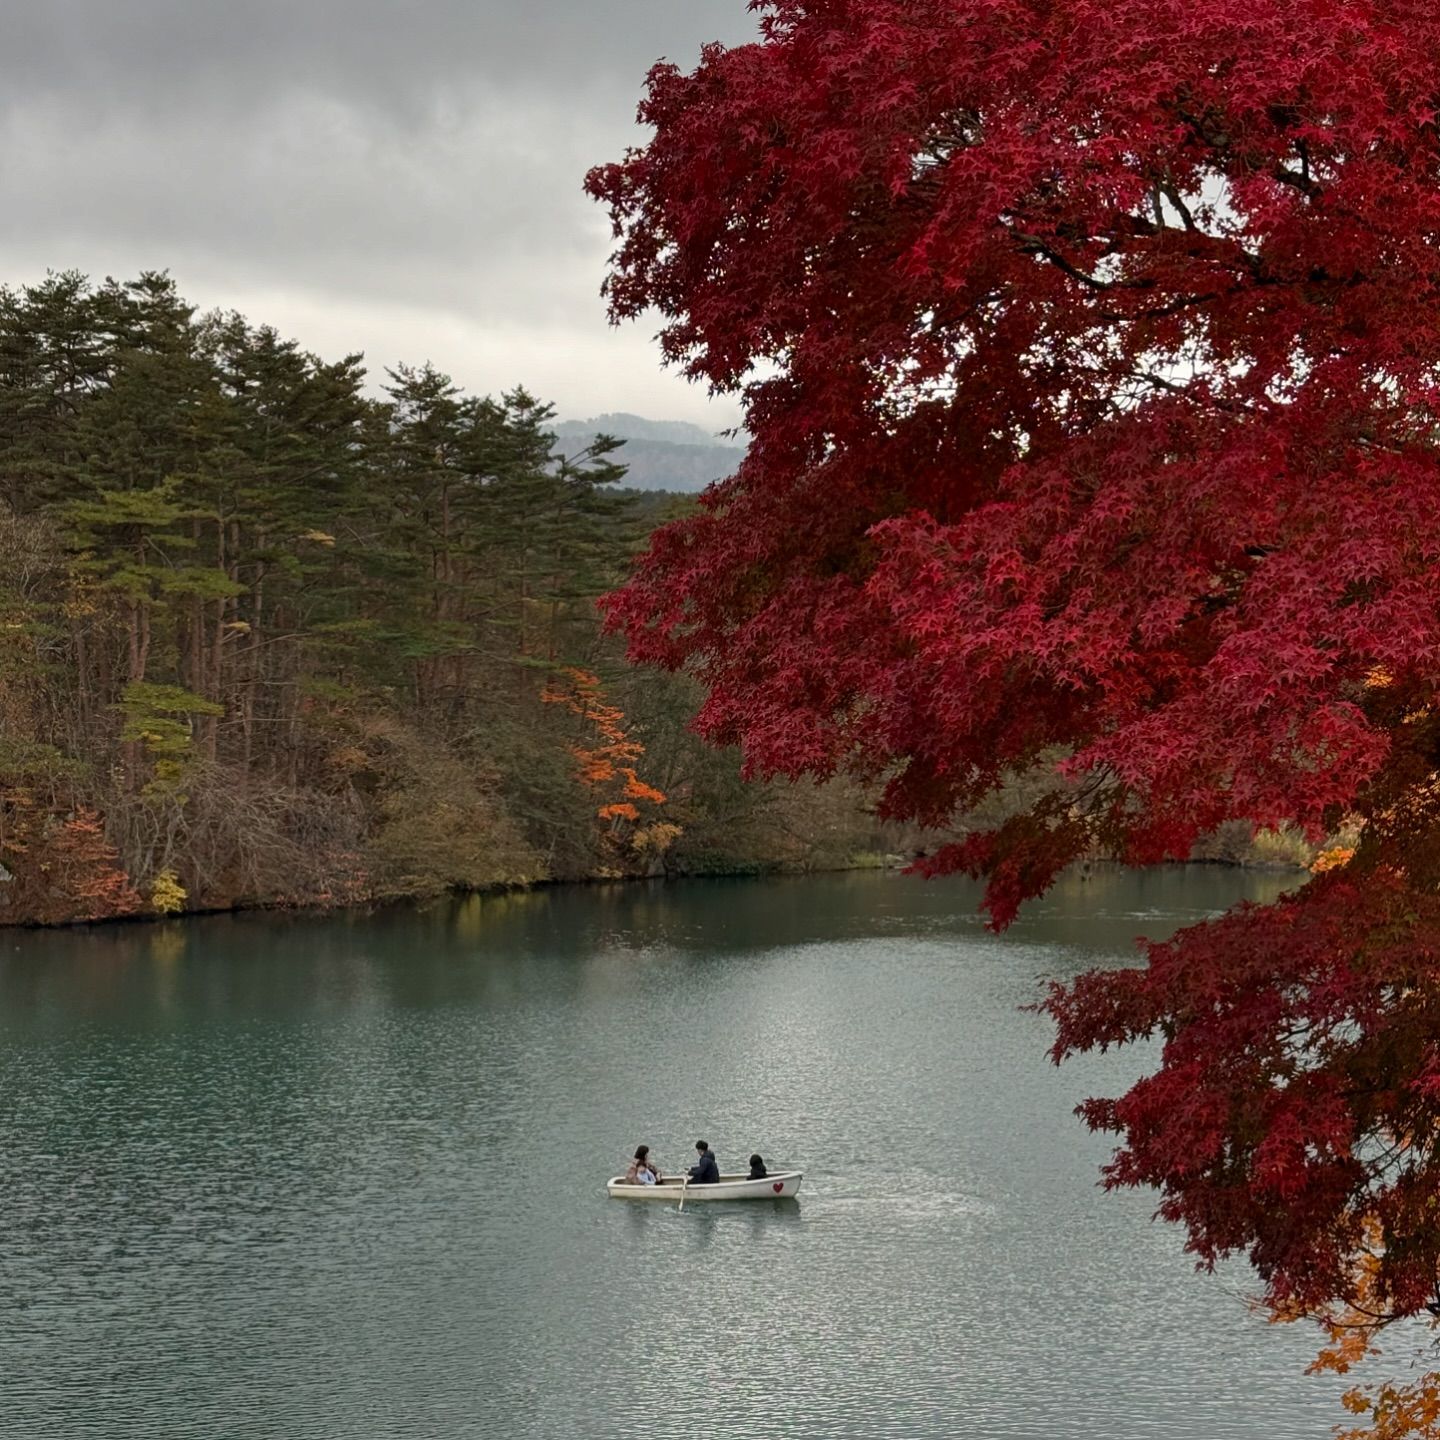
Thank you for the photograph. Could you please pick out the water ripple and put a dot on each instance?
(344, 1178)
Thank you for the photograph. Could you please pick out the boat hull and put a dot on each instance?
(783, 1185)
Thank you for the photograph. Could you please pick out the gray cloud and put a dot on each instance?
(157, 52)
(399, 178)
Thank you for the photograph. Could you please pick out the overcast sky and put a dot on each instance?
(398, 178)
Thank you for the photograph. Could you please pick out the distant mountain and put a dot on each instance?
(658, 454)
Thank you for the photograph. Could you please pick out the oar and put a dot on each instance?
(683, 1184)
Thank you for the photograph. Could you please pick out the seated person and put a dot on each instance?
(642, 1171)
(757, 1168)
(707, 1170)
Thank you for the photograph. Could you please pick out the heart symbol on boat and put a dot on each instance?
(778, 1186)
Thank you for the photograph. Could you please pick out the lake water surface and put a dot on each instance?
(344, 1177)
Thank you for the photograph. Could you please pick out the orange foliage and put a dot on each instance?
(1332, 859)
(615, 757)
(1391, 1411)
(1396, 1412)
(60, 870)
(83, 863)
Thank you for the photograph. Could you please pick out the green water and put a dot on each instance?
(344, 1177)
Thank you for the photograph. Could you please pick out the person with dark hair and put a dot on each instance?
(643, 1170)
(757, 1168)
(706, 1171)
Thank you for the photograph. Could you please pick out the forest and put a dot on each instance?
(271, 634)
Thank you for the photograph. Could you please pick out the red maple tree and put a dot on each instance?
(1089, 354)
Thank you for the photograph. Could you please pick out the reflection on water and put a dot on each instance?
(344, 1176)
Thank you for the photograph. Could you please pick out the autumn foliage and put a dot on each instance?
(1389, 1409)
(1091, 360)
(608, 765)
(59, 870)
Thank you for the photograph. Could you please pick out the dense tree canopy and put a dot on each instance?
(1090, 357)
(267, 636)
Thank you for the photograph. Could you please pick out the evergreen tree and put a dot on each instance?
(283, 641)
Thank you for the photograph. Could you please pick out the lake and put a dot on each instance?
(344, 1176)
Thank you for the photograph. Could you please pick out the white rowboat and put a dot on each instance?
(784, 1185)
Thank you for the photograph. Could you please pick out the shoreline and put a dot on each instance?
(864, 861)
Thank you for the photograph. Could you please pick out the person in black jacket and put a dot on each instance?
(706, 1171)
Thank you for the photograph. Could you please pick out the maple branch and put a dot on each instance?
(1168, 189)
(1298, 180)
(961, 131)
(1161, 383)
(1204, 128)
(1149, 377)
(1173, 307)
(1254, 268)
(1207, 129)
(1028, 244)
